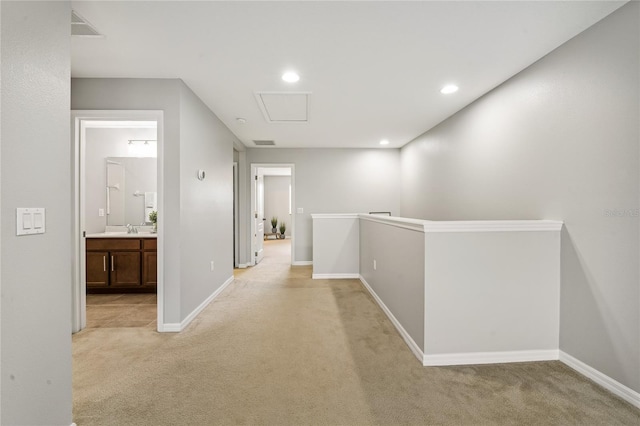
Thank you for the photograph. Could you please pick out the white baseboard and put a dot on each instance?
(405, 336)
(474, 358)
(243, 265)
(302, 263)
(613, 386)
(178, 327)
(460, 359)
(335, 276)
(169, 327)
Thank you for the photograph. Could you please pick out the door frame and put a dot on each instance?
(236, 214)
(78, 282)
(254, 172)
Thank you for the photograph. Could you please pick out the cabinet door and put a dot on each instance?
(125, 269)
(97, 269)
(150, 272)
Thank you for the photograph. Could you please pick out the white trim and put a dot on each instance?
(78, 278)
(236, 216)
(475, 358)
(398, 222)
(466, 225)
(120, 124)
(405, 336)
(174, 327)
(335, 276)
(253, 167)
(302, 263)
(243, 265)
(335, 216)
(493, 226)
(613, 386)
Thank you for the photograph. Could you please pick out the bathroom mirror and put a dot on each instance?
(131, 190)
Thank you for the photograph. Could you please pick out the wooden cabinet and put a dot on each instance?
(121, 265)
(150, 271)
(125, 269)
(97, 269)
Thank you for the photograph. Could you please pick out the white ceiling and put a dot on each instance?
(374, 69)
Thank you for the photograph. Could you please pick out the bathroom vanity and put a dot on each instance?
(121, 263)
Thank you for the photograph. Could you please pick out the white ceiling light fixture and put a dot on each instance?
(449, 89)
(142, 148)
(384, 142)
(290, 77)
(241, 120)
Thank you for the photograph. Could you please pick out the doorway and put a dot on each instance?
(236, 228)
(272, 198)
(130, 193)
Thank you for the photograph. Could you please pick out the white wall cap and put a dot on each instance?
(493, 226)
(334, 216)
(457, 225)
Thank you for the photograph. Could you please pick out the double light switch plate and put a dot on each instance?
(30, 221)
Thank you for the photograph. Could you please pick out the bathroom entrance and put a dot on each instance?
(117, 281)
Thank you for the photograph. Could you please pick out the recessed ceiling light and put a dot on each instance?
(241, 120)
(384, 142)
(290, 77)
(448, 89)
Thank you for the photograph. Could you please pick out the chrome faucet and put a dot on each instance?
(131, 229)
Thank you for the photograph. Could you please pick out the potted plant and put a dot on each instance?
(283, 227)
(274, 225)
(153, 218)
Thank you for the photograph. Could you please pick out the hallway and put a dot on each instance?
(276, 252)
(278, 348)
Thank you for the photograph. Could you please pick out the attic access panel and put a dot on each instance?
(284, 107)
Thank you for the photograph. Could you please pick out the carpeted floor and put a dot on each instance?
(277, 348)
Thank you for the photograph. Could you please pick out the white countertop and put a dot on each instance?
(122, 235)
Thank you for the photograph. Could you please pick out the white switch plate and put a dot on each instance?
(30, 221)
(212, 265)
(101, 212)
(300, 210)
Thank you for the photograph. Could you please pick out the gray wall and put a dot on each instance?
(206, 207)
(276, 202)
(399, 277)
(103, 143)
(504, 298)
(35, 165)
(332, 181)
(192, 138)
(557, 141)
(149, 94)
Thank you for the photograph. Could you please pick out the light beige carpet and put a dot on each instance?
(277, 348)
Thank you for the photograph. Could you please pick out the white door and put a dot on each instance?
(259, 217)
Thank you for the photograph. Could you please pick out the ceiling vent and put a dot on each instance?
(284, 107)
(264, 143)
(80, 27)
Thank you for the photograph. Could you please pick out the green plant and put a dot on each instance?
(274, 222)
(283, 227)
(153, 217)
